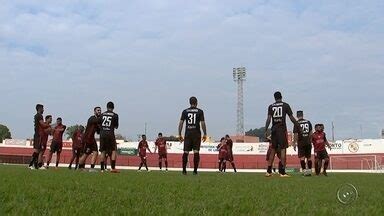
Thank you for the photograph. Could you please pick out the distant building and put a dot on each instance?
(245, 139)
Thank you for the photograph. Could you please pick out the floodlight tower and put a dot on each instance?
(239, 75)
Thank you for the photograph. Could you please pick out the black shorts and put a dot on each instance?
(37, 142)
(321, 155)
(107, 144)
(90, 147)
(192, 142)
(77, 151)
(56, 146)
(162, 155)
(279, 138)
(304, 151)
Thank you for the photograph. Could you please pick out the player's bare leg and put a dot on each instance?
(196, 161)
(113, 162)
(220, 161)
(57, 159)
(166, 164)
(326, 163)
(270, 162)
(318, 164)
(93, 161)
(233, 166)
(224, 166)
(309, 165)
(160, 163)
(49, 158)
(40, 160)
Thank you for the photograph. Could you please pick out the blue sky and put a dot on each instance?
(149, 57)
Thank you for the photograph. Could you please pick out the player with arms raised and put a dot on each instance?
(277, 114)
(302, 139)
(161, 144)
(109, 122)
(192, 141)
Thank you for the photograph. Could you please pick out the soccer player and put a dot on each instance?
(109, 122)
(44, 133)
(39, 125)
(161, 144)
(142, 149)
(302, 139)
(90, 145)
(230, 152)
(57, 141)
(319, 141)
(223, 154)
(269, 156)
(193, 117)
(277, 114)
(77, 146)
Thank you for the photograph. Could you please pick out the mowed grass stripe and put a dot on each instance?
(69, 192)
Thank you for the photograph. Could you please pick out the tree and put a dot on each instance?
(259, 132)
(120, 137)
(4, 133)
(71, 130)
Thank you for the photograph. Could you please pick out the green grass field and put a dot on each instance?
(68, 192)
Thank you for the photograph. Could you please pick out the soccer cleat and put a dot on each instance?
(325, 173)
(268, 174)
(43, 168)
(69, 167)
(115, 171)
(32, 168)
(148, 170)
(138, 170)
(184, 172)
(285, 175)
(194, 172)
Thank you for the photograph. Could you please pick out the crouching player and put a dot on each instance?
(142, 148)
(319, 141)
(223, 154)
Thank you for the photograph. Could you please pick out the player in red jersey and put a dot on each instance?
(57, 141)
(230, 152)
(277, 113)
(44, 133)
(142, 149)
(39, 125)
(90, 145)
(223, 154)
(77, 146)
(319, 141)
(161, 144)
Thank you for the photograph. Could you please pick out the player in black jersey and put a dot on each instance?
(192, 140)
(277, 113)
(302, 139)
(109, 121)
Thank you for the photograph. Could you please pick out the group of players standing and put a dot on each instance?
(303, 139)
(84, 143)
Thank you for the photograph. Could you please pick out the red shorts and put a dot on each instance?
(162, 155)
(223, 155)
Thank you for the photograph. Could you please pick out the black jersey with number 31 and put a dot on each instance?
(279, 111)
(109, 122)
(192, 116)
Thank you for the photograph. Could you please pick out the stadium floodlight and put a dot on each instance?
(239, 75)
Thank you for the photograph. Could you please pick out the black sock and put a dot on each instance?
(92, 166)
(160, 165)
(280, 167)
(102, 165)
(269, 169)
(81, 166)
(57, 163)
(113, 164)
(326, 165)
(185, 160)
(302, 162)
(141, 164)
(224, 166)
(146, 167)
(234, 167)
(309, 162)
(39, 164)
(34, 158)
(166, 164)
(196, 161)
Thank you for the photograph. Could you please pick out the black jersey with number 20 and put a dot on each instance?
(192, 116)
(279, 111)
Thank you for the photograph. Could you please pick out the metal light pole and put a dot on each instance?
(239, 75)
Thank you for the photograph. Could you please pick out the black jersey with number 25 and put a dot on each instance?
(192, 116)
(109, 122)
